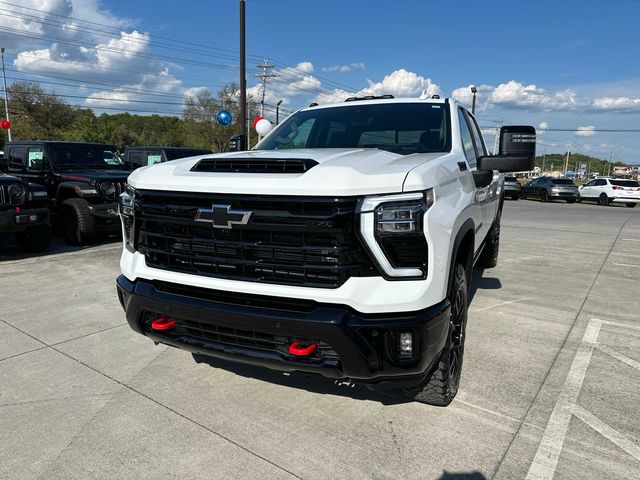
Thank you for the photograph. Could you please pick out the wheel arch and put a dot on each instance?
(463, 251)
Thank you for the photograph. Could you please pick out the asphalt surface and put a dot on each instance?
(550, 385)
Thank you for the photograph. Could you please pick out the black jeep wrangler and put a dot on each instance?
(83, 181)
(24, 212)
(136, 157)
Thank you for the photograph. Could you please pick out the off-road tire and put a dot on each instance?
(79, 227)
(544, 196)
(603, 200)
(35, 239)
(489, 256)
(523, 195)
(571, 201)
(440, 387)
(515, 197)
(630, 205)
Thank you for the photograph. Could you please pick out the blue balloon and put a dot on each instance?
(223, 117)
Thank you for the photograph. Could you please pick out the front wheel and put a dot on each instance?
(78, 224)
(544, 196)
(440, 387)
(630, 205)
(603, 199)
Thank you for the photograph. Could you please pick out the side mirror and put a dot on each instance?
(238, 143)
(482, 178)
(517, 150)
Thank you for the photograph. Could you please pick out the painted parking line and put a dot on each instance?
(501, 304)
(626, 265)
(545, 461)
(632, 239)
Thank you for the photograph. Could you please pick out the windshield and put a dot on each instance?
(562, 181)
(94, 156)
(403, 128)
(625, 183)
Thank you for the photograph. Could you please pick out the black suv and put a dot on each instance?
(24, 212)
(136, 157)
(83, 181)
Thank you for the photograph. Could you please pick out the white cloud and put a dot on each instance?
(344, 68)
(543, 126)
(517, 95)
(620, 104)
(401, 83)
(586, 131)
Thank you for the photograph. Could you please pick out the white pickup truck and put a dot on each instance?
(343, 244)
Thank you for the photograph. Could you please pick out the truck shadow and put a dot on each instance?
(461, 476)
(479, 281)
(309, 382)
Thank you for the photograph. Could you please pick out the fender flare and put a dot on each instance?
(467, 226)
(76, 190)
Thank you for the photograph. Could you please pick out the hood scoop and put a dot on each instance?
(254, 165)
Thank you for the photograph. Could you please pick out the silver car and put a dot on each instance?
(512, 188)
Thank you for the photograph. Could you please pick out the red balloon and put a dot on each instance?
(255, 120)
(5, 124)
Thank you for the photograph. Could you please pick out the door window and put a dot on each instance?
(35, 158)
(481, 149)
(15, 160)
(136, 158)
(154, 157)
(467, 140)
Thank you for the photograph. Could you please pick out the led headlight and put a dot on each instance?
(392, 228)
(17, 192)
(126, 209)
(107, 188)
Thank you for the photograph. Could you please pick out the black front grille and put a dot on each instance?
(306, 241)
(254, 165)
(5, 198)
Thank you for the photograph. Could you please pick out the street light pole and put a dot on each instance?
(6, 98)
(278, 112)
(474, 90)
(243, 76)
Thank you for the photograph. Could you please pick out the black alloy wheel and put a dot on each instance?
(544, 196)
(603, 200)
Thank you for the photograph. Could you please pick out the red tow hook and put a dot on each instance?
(302, 351)
(162, 323)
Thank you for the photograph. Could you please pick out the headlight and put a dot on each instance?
(107, 188)
(126, 208)
(17, 192)
(392, 228)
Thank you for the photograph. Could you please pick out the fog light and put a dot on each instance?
(405, 340)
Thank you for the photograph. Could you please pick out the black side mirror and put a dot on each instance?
(238, 143)
(482, 178)
(517, 150)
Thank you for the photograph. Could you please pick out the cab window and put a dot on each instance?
(35, 158)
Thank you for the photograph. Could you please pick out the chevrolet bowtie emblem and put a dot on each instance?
(222, 216)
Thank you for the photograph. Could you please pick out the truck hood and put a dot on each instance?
(339, 172)
(87, 174)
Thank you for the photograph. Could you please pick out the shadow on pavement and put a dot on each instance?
(461, 476)
(311, 383)
(9, 250)
(478, 281)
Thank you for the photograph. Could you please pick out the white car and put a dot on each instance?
(611, 190)
(342, 245)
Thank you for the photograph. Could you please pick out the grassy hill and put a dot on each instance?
(594, 164)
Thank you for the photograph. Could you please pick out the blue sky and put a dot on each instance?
(563, 64)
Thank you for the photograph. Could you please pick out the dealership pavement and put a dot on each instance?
(550, 385)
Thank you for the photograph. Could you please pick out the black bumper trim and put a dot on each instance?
(8, 222)
(360, 340)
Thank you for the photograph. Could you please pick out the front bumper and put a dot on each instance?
(12, 221)
(252, 329)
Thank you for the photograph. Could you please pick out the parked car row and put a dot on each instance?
(604, 191)
(78, 182)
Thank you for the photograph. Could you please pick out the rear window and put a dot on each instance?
(625, 183)
(562, 181)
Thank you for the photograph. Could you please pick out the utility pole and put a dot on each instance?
(474, 90)
(243, 77)
(566, 162)
(6, 97)
(609, 165)
(266, 74)
(544, 157)
(278, 112)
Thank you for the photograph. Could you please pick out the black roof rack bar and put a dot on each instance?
(369, 97)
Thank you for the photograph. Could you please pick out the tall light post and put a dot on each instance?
(278, 112)
(243, 76)
(474, 90)
(6, 98)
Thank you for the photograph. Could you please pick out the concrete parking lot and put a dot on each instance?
(550, 385)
